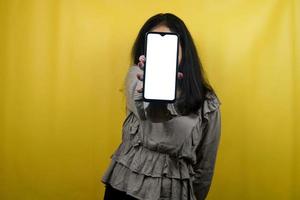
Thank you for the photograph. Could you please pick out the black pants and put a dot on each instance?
(114, 194)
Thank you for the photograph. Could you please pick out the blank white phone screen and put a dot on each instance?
(161, 64)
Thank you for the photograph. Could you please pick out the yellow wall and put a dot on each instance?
(62, 65)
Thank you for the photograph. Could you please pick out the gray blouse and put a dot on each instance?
(170, 160)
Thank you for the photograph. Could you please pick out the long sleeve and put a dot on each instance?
(134, 99)
(206, 153)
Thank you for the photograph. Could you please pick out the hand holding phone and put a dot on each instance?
(140, 76)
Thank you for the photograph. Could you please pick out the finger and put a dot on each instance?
(140, 76)
(140, 90)
(141, 65)
(142, 58)
(180, 75)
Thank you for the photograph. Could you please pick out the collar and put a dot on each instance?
(170, 106)
(172, 109)
(210, 99)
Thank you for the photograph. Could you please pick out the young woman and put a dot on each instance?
(168, 150)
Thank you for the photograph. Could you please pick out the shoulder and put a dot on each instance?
(212, 98)
(211, 103)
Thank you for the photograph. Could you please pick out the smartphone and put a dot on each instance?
(161, 66)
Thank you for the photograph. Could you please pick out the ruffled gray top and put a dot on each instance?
(170, 160)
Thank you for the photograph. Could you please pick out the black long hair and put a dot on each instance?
(194, 84)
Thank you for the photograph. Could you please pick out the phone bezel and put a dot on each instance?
(145, 65)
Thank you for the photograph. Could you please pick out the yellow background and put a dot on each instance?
(62, 66)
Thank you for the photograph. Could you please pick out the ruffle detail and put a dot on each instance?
(211, 103)
(190, 144)
(145, 187)
(149, 174)
(148, 162)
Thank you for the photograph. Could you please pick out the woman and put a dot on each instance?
(168, 150)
